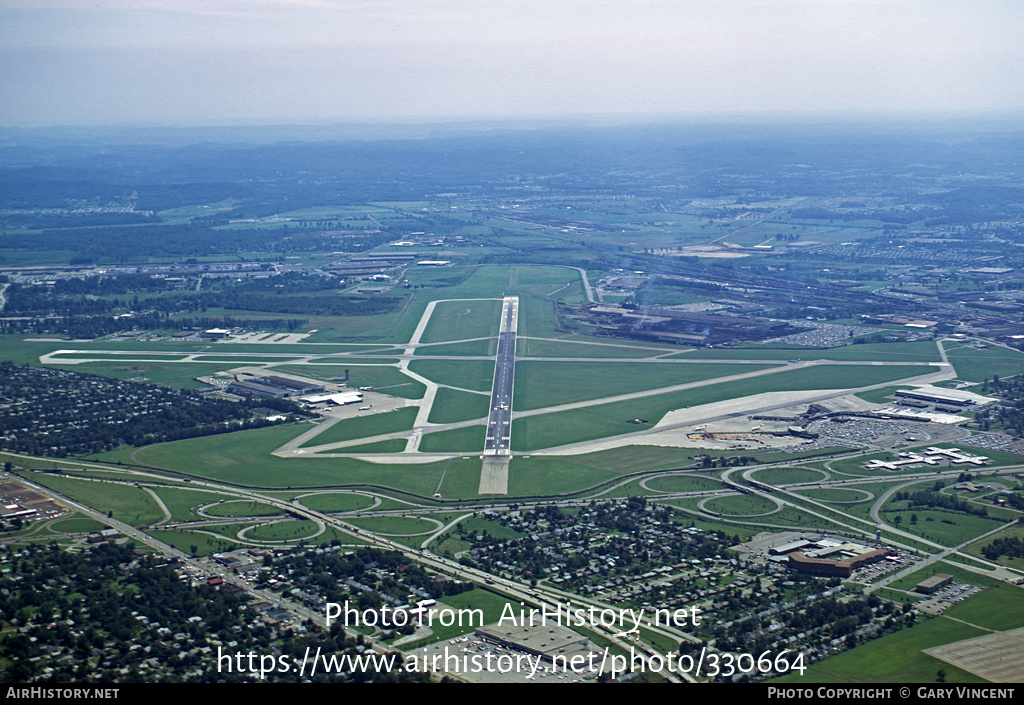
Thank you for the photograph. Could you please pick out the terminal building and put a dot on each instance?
(340, 399)
(273, 386)
(959, 398)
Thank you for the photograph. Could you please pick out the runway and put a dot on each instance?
(499, 420)
(494, 474)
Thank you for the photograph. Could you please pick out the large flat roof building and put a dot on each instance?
(273, 386)
(840, 568)
(936, 582)
(549, 641)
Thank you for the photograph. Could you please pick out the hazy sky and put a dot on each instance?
(285, 61)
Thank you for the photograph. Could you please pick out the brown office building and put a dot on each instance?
(835, 568)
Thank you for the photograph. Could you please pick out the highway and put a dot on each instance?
(499, 420)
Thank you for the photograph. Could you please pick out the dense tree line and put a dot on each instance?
(1010, 546)
(940, 501)
(143, 242)
(85, 326)
(1007, 416)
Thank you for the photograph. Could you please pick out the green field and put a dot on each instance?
(684, 483)
(549, 282)
(790, 517)
(128, 504)
(948, 528)
(894, 658)
(574, 348)
(456, 440)
(370, 424)
(244, 458)
(1015, 531)
(473, 526)
(974, 365)
(839, 495)
(999, 608)
(541, 384)
(553, 475)
(461, 479)
(336, 502)
(470, 348)
(181, 503)
(455, 405)
(76, 524)
(740, 505)
(184, 540)
(462, 320)
(242, 508)
(395, 525)
(393, 445)
(476, 375)
(601, 421)
(291, 530)
(787, 476)
(922, 351)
